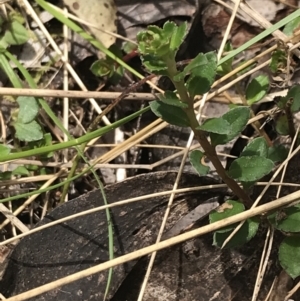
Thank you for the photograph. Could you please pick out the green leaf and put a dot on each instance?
(154, 64)
(116, 75)
(168, 30)
(178, 36)
(199, 66)
(202, 70)
(4, 150)
(171, 98)
(6, 175)
(257, 89)
(228, 209)
(149, 40)
(29, 131)
(237, 118)
(169, 113)
(293, 93)
(31, 167)
(291, 26)
(28, 109)
(247, 185)
(277, 153)
(216, 125)
(257, 147)
(20, 170)
(243, 235)
(101, 68)
(289, 256)
(195, 159)
(155, 41)
(287, 219)
(278, 60)
(226, 67)
(197, 85)
(129, 47)
(249, 169)
(15, 33)
(3, 44)
(45, 141)
(281, 125)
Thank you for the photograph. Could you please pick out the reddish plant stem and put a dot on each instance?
(200, 136)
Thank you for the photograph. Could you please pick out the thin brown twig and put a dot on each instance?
(131, 88)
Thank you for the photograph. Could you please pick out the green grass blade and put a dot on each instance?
(74, 142)
(6, 67)
(260, 36)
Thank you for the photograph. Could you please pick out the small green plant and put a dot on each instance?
(12, 31)
(27, 128)
(158, 48)
(107, 67)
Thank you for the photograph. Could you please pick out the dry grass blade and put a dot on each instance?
(159, 246)
(263, 262)
(121, 203)
(32, 198)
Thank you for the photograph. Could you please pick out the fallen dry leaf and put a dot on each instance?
(101, 13)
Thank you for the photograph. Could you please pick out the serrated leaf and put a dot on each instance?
(170, 114)
(171, 98)
(228, 209)
(250, 169)
(257, 89)
(153, 64)
(155, 41)
(202, 76)
(4, 150)
(257, 147)
(243, 235)
(150, 40)
(20, 170)
(168, 29)
(197, 65)
(289, 256)
(28, 109)
(287, 219)
(178, 36)
(15, 34)
(195, 159)
(29, 131)
(281, 125)
(216, 125)
(237, 118)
